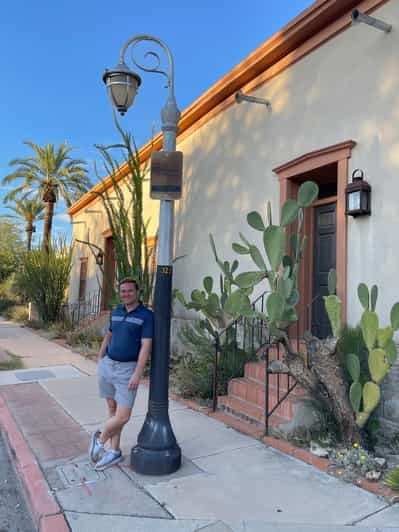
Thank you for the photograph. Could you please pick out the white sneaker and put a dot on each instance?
(96, 448)
(110, 458)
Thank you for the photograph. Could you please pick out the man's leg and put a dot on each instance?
(114, 440)
(113, 427)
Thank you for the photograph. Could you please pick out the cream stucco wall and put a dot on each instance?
(346, 89)
(89, 225)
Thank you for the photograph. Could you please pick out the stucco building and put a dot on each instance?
(333, 89)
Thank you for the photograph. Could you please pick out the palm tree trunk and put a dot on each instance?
(48, 222)
(29, 240)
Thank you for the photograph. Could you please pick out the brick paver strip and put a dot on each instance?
(51, 433)
(44, 509)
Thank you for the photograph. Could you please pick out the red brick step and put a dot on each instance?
(246, 396)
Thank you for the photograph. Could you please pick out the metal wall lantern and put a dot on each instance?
(358, 195)
(100, 258)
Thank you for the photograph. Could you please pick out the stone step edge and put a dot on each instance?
(292, 399)
(272, 387)
(237, 412)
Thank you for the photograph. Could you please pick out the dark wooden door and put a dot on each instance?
(324, 258)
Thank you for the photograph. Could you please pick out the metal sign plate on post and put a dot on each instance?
(166, 175)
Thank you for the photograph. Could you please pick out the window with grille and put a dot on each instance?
(82, 279)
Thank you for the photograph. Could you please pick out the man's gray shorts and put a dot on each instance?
(113, 379)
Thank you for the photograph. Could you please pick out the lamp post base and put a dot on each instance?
(159, 462)
(156, 452)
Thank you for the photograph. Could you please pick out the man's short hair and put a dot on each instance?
(129, 280)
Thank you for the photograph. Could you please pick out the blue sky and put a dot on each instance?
(54, 54)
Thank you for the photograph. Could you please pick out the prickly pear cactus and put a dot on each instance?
(382, 354)
(380, 344)
(274, 262)
(218, 309)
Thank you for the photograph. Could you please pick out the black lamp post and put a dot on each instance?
(156, 452)
(358, 195)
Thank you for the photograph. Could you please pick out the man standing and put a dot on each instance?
(121, 360)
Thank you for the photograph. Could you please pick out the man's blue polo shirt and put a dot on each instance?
(128, 329)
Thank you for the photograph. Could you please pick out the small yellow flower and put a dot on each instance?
(356, 445)
(363, 457)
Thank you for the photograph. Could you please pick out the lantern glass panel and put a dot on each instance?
(365, 200)
(131, 92)
(118, 89)
(354, 200)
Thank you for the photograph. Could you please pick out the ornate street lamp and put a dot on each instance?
(122, 86)
(156, 452)
(358, 195)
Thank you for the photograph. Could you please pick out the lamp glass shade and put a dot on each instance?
(354, 200)
(122, 85)
(123, 91)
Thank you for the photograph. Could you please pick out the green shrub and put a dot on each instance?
(60, 329)
(37, 325)
(193, 370)
(13, 362)
(16, 313)
(85, 339)
(44, 278)
(9, 295)
(5, 304)
(392, 479)
(9, 289)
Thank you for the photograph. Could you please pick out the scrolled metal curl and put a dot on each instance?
(134, 41)
(151, 54)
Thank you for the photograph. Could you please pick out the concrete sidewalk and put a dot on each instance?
(37, 352)
(228, 481)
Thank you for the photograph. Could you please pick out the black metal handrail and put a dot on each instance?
(234, 346)
(242, 341)
(302, 324)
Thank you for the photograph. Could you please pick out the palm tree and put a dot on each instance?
(30, 209)
(54, 173)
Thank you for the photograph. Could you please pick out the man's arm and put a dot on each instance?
(145, 351)
(104, 345)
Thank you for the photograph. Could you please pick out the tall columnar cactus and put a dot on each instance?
(277, 265)
(218, 309)
(365, 397)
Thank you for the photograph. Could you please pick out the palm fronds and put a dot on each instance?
(50, 172)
